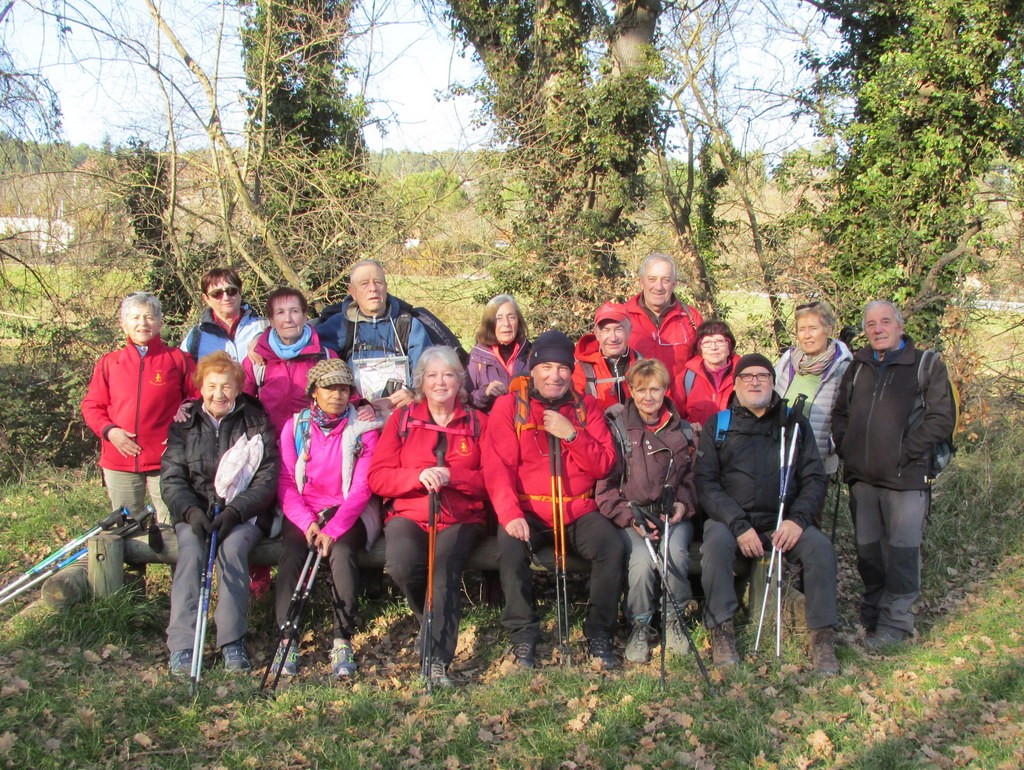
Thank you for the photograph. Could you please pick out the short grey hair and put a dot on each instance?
(819, 308)
(450, 359)
(879, 303)
(657, 256)
(365, 263)
(140, 298)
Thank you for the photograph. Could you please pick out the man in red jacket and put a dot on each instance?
(603, 356)
(517, 470)
(662, 326)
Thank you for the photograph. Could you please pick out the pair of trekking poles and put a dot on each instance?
(119, 522)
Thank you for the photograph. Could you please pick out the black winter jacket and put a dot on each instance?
(738, 483)
(872, 425)
(194, 449)
(647, 469)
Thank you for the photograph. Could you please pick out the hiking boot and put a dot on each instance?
(823, 651)
(439, 675)
(343, 661)
(289, 664)
(525, 654)
(235, 656)
(723, 645)
(638, 646)
(677, 643)
(883, 636)
(602, 649)
(181, 662)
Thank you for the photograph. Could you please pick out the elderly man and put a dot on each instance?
(662, 327)
(737, 478)
(890, 412)
(540, 412)
(603, 356)
(376, 334)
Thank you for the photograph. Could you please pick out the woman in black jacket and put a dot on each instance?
(200, 502)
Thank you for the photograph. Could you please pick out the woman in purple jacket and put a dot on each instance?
(500, 353)
(325, 455)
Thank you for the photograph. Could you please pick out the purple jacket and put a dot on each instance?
(485, 367)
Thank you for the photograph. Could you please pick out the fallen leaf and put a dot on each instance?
(820, 743)
(143, 740)
(7, 741)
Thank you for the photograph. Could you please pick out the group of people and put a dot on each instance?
(650, 429)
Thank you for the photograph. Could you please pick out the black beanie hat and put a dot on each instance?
(553, 347)
(754, 359)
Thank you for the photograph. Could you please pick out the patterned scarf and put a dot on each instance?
(816, 365)
(326, 422)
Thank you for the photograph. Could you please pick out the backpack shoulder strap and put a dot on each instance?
(722, 427)
(688, 380)
(590, 378)
(403, 423)
(193, 338)
(403, 326)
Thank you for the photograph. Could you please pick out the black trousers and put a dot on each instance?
(344, 574)
(405, 560)
(593, 537)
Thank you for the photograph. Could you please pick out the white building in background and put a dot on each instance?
(49, 235)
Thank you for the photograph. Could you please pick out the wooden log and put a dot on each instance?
(67, 587)
(105, 564)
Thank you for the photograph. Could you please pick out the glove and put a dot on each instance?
(199, 521)
(226, 521)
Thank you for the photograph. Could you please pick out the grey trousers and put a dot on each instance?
(813, 552)
(232, 571)
(129, 489)
(889, 527)
(644, 583)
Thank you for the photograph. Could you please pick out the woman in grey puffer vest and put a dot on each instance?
(814, 367)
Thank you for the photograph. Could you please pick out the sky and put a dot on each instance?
(407, 65)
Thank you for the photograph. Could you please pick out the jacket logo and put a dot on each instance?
(463, 448)
(158, 377)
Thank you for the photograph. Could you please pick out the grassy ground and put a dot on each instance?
(88, 687)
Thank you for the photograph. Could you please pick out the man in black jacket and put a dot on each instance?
(737, 480)
(889, 414)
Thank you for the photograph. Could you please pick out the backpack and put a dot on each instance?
(520, 387)
(438, 333)
(406, 420)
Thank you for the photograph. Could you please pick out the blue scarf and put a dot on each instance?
(290, 351)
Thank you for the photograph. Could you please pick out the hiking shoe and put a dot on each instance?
(823, 651)
(439, 676)
(883, 636)
(676, 641)
(343, 661)
(602, 651)
(525, 654)
(723, 645)
(638, 646)
(235, 656)
(289, 664)
(181, 662)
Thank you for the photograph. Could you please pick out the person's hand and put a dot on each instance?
(435, 478)
(182, 414)
(311, 534)
(225, 521)
(496, 388)
(680, 511)
(519, 529)
(557, 424)
(324, 543)
(787, 535)
(255, 357)
(199, 521)
(401, 397)
(124, 442)
(652, 531)
(366, 413)
(750, 544)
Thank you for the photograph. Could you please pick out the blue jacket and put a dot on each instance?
(212, 336)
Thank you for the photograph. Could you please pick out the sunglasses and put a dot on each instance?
(231, 291)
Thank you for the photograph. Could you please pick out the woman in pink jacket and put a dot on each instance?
(325, 455)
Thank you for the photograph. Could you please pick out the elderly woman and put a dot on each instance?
(706, 382)
(431, 449)
(325, 458)
(132, 397)
(227, 323)
(289, 349)
(814, 368)
(654, 473)
(224, 420)
(500, 353)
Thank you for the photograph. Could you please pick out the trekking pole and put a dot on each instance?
(667, 592)
(433, 514)
(785, 475)
(203, 610)
(15, 587)
(835, 508)
(290, 628)
(558, 526)
(664, 594)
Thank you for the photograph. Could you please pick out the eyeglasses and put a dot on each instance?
(231, 291)
(747, 377)
(712, 342)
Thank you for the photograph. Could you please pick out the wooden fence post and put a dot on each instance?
(106, 564)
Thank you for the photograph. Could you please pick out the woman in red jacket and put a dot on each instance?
(132, 397)
(432, 448)
(706, 382)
